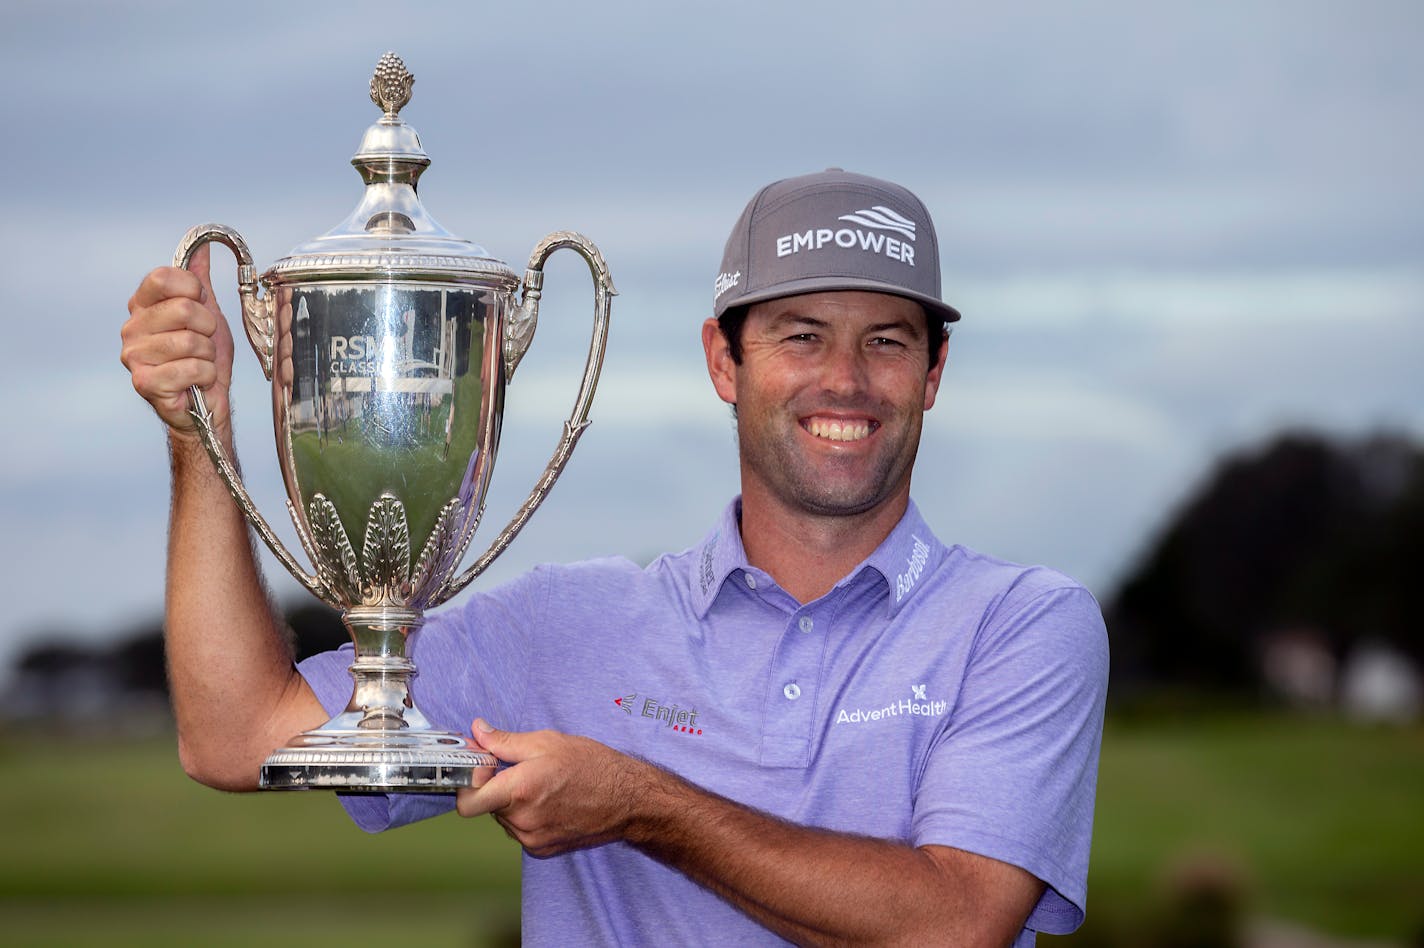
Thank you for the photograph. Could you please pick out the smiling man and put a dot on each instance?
(830, 389)
(820, 724)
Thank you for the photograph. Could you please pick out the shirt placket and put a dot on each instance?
(793, 688)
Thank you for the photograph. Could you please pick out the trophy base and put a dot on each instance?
(377, 762)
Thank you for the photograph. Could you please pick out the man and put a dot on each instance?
(820, 723)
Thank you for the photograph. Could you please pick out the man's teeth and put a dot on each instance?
(839, 430)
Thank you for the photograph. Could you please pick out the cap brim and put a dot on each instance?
(825, 284)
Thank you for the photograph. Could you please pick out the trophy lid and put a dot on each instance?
(390, 233)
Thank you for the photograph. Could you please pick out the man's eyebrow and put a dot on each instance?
(787, 318)
(913, 327)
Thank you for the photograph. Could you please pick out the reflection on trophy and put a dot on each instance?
(388, 342)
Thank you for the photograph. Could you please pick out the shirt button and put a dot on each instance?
(806, 624)
(792, 691)
(751, 580)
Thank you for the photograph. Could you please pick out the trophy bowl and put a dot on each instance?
(389, 342)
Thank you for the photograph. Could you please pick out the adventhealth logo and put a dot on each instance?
(869, 236)
(917, 705)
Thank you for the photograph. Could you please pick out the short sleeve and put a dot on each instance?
(1014, 773)
(471, 661)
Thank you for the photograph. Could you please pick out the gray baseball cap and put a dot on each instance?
(832, 230)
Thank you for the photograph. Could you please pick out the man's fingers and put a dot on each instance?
(166, 283)
(166, 385)
(178, 312)
(496, 794)
(165, 347)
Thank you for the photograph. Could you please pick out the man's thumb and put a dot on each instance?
(512, 747)
(488, 736)
(200, 265)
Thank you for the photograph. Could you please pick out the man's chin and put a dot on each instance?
(846, 503)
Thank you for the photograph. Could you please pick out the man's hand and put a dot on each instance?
(562, 793)
(176, 337)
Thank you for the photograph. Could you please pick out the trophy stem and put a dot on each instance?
(382, 670)
(381, 742)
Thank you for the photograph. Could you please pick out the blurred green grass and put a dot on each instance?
(1314, 820)
(113, 844)
(1321, 821)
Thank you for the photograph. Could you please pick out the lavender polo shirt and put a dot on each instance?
(935, 695)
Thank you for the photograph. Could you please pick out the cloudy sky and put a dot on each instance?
(1173, 230)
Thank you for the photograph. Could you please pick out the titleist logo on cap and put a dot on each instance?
(725, 282)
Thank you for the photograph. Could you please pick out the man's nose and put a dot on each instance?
(844, 370)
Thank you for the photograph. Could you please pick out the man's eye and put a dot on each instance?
(802, 337)
(885, 341)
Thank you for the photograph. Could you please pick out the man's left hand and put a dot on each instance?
(562, 792)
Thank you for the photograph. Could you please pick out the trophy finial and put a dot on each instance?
(390, 86)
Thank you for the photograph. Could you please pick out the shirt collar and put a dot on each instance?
(905, 558)
(717, 557)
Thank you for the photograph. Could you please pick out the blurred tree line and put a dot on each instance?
(59, 678)
(1302, 539)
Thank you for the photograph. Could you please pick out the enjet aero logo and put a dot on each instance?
(919, 704)
(869, 235)
(671, 716)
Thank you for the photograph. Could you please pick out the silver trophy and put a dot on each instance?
(388, 342)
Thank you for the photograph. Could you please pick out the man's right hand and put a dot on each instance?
(176, 337)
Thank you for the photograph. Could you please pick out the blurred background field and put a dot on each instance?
(112, 844)
(1209, 829)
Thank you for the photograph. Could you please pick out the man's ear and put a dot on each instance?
(936, 373)
(720, 366)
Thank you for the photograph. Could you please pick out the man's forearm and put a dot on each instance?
(229, 658)
(814, 886)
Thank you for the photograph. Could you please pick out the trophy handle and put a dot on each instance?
(256, 313)
(519, 332)
(257, 319)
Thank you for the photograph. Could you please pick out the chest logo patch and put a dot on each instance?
(919, 704)
(673, 717)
